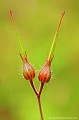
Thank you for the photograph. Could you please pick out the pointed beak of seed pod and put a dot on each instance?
(45, 73)
(28, 70)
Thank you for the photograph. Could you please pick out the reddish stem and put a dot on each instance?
(40, 108)
(41, 88)
(39, 102)
(32, 85)
(38, 94)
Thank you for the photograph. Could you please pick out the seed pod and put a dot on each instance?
(28, 70)
(45, 73)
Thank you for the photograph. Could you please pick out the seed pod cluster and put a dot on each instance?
(29, 72)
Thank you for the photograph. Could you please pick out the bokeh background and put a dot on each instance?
(36, 21)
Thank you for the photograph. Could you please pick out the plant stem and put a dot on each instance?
(32, 85)
(38, 94)
(40, 108)
(39, 102)
(41, 88)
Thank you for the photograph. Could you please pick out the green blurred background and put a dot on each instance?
(37, 21)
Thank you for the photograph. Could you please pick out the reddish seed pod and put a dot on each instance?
(28, 70)
(45, 73)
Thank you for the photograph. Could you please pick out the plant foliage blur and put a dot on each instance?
(36, 21)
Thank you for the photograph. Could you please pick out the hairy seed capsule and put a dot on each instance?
(28, 70)
(45, 73)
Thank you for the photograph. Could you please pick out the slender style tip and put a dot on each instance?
(63, 13)
(10, 13)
